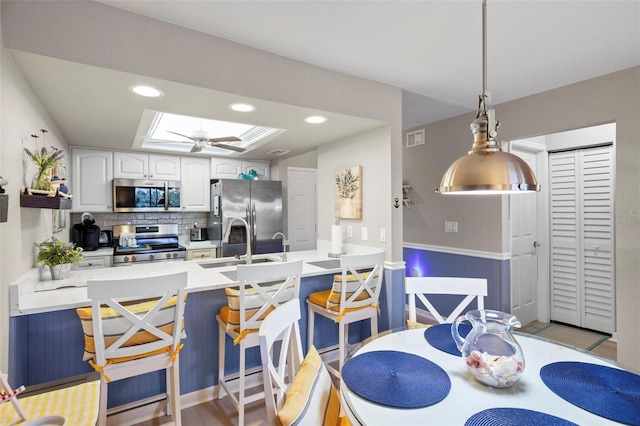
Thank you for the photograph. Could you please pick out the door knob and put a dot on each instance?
(536, 244)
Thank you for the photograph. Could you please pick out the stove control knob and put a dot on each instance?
(151, 257)
(126, 259)
(168, 256)
(175, 255)
(134, 258)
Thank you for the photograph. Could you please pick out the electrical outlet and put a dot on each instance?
(349, 231)
(365, 234)
(451, 227)
(383, 234)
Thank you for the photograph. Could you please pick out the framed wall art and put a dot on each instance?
(348, 198)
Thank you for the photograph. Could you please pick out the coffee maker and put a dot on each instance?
(86, 234)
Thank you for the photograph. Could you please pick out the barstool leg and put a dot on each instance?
(342, 341)
(241, 384)
(222, 335)
(311, 327)
(374, 324)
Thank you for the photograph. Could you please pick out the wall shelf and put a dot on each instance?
(44, 202)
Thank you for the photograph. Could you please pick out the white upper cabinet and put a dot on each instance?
(91, 180)
(133, 165)
(195, 184)
(261, 168)
(228, 168)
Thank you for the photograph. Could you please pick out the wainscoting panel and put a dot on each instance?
(429, 263)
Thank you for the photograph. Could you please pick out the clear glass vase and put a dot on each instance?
(41, 181)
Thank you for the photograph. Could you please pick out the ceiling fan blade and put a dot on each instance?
(184, 136)
(230, 147)
(225, 139)
(196, 147)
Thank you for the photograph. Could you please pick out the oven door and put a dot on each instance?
(132, 195)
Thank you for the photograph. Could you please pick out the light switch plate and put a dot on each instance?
(365, 234)
(451, 227)
(383, 234)
(349, 231)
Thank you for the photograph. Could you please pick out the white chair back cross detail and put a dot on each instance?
(418, 287)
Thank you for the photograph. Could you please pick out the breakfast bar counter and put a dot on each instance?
(35, 292)
(46, 341)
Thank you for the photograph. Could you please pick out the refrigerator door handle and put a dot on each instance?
(254, 227)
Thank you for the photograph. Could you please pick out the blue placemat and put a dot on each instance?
(515, 417)
(439, 336)
(605, 391)
(396, 379)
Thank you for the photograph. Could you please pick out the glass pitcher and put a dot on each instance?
(491, 353)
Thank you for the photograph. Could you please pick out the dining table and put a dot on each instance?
(403, 378)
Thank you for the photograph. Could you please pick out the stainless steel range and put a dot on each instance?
(146, 243)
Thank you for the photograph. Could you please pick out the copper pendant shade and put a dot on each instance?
(486, 169)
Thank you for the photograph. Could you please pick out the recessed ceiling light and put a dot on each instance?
(240, 107)
(148, 91)
(315, 119)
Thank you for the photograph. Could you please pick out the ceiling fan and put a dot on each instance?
(201, 141)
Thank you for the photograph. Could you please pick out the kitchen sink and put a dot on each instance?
(327, 264)
(224, 263)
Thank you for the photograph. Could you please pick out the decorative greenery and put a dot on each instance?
(56, 252)
(44, 159)
(347, 184)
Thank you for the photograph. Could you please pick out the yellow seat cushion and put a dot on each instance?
(224, 314)
(311, 399)
(77, 404)
(320, 298)
(415, 324)
(114, 326)
(253, 302)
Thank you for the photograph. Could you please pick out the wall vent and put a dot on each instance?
(415, 138)
(279, 151)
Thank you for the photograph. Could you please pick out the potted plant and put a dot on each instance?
(58, 256)
(46, 161)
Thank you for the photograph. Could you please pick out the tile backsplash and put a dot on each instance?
(108, 220)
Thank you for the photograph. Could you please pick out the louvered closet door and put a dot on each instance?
(582, 285)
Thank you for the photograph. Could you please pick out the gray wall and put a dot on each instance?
(610, 98)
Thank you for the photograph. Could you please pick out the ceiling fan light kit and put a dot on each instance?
(486, 169)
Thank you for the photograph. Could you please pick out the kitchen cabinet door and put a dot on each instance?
(130, 165)
(195, 184)
(225, 168)
(165, 167)
(261, 168)
(133, 165)
(91, 180)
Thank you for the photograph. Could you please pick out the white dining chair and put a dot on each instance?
(297, 392)
(126, 339)
(263, 288)
(353, 297)
(419, 287)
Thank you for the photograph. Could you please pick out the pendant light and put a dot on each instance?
(486, 169)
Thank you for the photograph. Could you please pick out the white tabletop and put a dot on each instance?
(468, 396)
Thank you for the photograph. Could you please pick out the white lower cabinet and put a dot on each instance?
(201, 254)
(96, 262)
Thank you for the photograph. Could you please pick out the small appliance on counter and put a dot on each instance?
(198, 234)
(86, 234)
(105, 239)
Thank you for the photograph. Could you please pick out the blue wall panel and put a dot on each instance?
(426, 263)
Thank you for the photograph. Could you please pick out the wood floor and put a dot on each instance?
(221, 412)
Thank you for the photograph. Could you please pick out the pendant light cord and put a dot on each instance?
(484, 56)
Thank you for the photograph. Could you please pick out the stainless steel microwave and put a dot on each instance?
(140, 195)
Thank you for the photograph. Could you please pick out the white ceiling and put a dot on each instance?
(430, 49)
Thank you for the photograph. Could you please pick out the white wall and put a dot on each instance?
(22, 115)
(371, 151)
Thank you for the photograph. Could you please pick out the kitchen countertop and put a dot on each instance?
(30, 295)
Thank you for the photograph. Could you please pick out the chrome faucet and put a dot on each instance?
(285, 244)
(248, 231)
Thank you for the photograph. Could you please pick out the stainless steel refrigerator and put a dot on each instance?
(258, 202)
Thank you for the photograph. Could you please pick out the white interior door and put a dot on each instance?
(525, 295)
(301, 187)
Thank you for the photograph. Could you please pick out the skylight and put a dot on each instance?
(196, 134)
